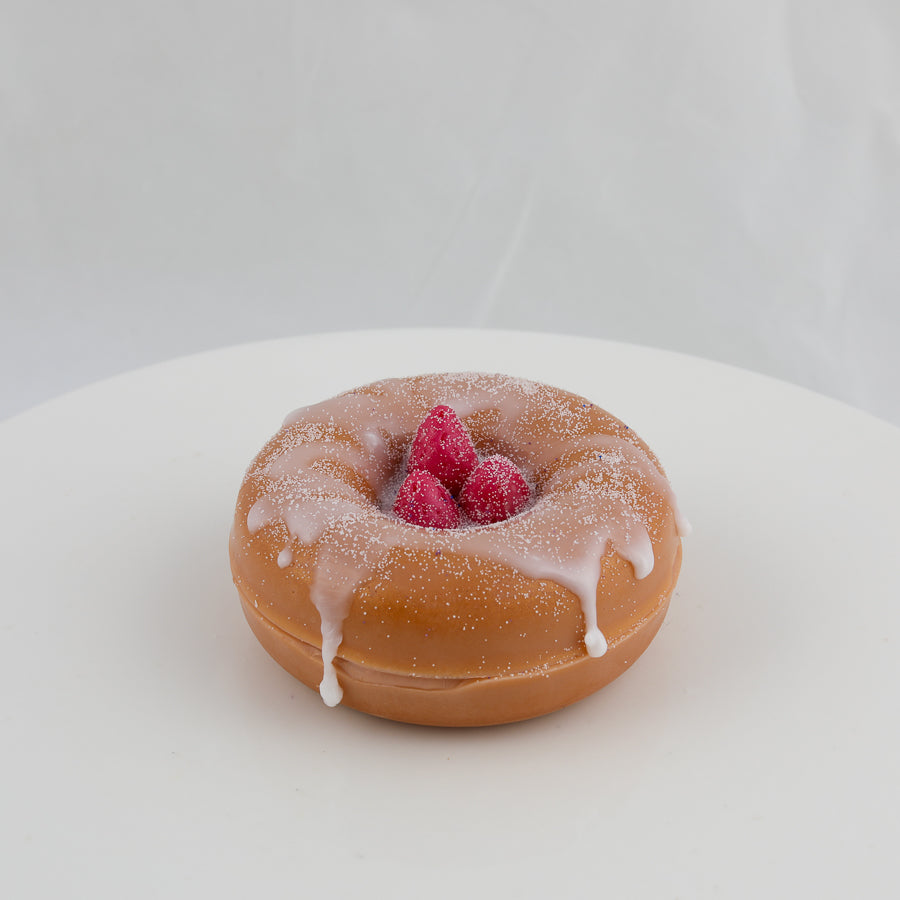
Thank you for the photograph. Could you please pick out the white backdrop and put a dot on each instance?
(720, 178)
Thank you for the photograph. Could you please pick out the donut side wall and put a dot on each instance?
(471, 702)
(447, 616)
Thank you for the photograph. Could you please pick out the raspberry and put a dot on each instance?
(442, 446)
(423, 500)
(495, 491)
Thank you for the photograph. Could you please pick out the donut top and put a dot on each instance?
(331, 474)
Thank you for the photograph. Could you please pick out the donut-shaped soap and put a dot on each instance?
(466, 624)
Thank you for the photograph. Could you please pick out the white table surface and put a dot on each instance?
(152, 749)
(720, 179)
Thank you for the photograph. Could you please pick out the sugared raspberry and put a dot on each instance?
(442, 446)
(495, 491)
(423, 500)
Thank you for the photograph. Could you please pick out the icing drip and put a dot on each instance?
(286, 557)
(594, 480)
(330, 689)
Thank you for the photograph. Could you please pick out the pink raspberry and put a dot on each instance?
(495, 491)
(442, 446)
(423, 500)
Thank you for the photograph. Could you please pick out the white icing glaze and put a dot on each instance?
(286, 557)
(595, 503)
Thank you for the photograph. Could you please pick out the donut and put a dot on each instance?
(468, 624)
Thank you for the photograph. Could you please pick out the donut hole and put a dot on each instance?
(490, 439)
